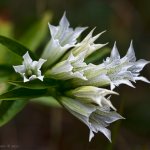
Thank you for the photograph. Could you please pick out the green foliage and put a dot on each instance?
(35, 35)
(8, 110)
(47, 101)
(5, 70)
(15, 47)
(23, 93)
(36, 84)
(6, 29)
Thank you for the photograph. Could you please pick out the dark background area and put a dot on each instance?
(46, 128)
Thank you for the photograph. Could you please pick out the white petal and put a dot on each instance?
(108, 103)
(25, 79)
(64, 21)
(40, 63)
(114, 53)
(130, 53)
(53, 30)
(112, 86)
(91, 135)
(142, 79)
(40, 78)
(20, 68)
(123, 81)
(139, 65)
(33, 77)
(106, 132)
(27, 59)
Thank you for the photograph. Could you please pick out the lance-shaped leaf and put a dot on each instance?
(35, 35)
(5, 70)
(9, 109)
(23, 93)
(37, 84)
(15, 47)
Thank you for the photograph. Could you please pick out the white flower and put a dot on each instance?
(114, 70)
(96, 76)
(71, 68)
(88, 44)
(30, 69)
(95, 117)
(62, 38)
(123, 70)
(91, 94)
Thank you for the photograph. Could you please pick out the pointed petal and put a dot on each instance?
(27, 59)
(91, 135)
(64, 21)
(139, 65)
(40, 78)
(40, 63)
(20, 68)
(130, 53)
(25, 79)
(114, 53)
(53, 30)
(142, 79)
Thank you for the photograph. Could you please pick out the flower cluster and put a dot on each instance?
(86, 96)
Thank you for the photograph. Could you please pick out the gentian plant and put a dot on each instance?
(63, 72)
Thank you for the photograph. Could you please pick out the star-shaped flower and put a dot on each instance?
(70, 68)
(62, 38)
(126, 69)
(95, 117)
(30, 69)
(91, 94)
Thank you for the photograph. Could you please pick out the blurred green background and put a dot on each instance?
(40, 127)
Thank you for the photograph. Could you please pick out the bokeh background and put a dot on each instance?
(43, 127)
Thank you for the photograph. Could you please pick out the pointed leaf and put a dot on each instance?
(22, 93)
(36, 84)
(5, 70)
(15, 47)
(9, 109)
(36, 34)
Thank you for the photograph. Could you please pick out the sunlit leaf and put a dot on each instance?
(15, 47)
(36, 34)
(6, 29)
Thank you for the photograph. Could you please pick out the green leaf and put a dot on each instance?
(8, 110)
(5, 70)
(36, 34)
(23, 93)
(15, 47)
(98, 55)
(6, 29)
(36, 84)
(47, 101)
